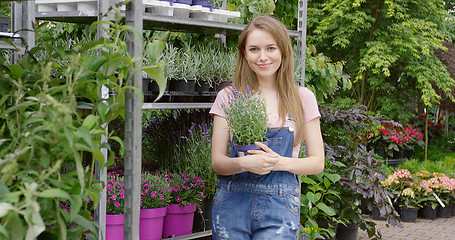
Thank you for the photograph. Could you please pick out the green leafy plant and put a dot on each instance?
(247, 118)
(388, 48)
(43, 129)
(250, 8)
(320, 200)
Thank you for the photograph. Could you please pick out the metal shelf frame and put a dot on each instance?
(23, 17)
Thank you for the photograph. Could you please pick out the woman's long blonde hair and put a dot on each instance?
(288, 96)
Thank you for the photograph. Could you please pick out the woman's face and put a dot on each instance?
(262, 54)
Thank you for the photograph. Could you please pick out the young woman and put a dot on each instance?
(258, 195)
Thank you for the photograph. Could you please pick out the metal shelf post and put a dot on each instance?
(133, 126)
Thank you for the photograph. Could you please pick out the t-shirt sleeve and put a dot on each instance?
(309, 103)
(222, 98)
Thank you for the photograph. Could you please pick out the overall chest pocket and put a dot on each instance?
(276, 144)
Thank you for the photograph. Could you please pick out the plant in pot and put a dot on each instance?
(345, 131)
(404, 188)
(320, 202)
(155, 197)
(194, 153)
(246, 115)
(186, 195)
(226, 68)
(206, 74)
(394, 141)
(115, 191)
(443, 191)
(428, 202)
(188, 65)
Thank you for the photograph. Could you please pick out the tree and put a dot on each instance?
(388, 47)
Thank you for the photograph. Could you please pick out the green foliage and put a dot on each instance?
(45, 138)
(320, 199)
(322, 76)
(287, 12)
(250, 8)
(388, 47)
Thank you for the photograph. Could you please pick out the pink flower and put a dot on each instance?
(114, 197)
(178, 199)
(116, 204)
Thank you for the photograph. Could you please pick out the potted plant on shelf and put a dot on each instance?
(114, 207)
(155, 197)
(247, 119)
(188, 65)
(186, 195)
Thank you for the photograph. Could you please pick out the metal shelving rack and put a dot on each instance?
(24, 16)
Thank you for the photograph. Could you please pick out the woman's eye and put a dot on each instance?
(253, 49)
(272, 48)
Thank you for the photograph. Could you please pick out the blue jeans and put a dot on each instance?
(251, 206)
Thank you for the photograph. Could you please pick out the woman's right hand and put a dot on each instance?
(260, 161)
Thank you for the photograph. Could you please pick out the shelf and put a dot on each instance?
(193, 236)
(175, 105)
(155, 22)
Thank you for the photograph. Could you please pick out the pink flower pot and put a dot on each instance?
(178, 220)
(151, 223)
(114, 227)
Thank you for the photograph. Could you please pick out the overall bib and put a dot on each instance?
(252, 206)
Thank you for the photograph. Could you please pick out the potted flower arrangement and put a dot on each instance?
(155, 197)
(395, 141)
(114, 207)
(404, 187)
(186, 193)
(247, 119)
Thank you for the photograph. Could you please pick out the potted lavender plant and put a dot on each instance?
(247, 119)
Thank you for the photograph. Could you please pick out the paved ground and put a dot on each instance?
(423, 229)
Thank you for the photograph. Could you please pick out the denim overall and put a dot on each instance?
(252, 206)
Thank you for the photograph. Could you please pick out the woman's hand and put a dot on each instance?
(260, 161)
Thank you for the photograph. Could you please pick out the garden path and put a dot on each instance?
(423, 229)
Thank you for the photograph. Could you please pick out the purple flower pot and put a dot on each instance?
(114, 227)
(187, 2)
(242, 150)
(207, 4)
(178, 220)
(151, 223)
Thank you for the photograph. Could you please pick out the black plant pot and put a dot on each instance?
(376, 215)
(145, 85)
(408, 214)
(348, 232)
(203, 221)
(181, 85)
(444, 212)
(453, 209)
(153, 87)
(202, 87)
(428, 212)
(322, 223)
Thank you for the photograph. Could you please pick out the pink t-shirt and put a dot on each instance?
(309, 103)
